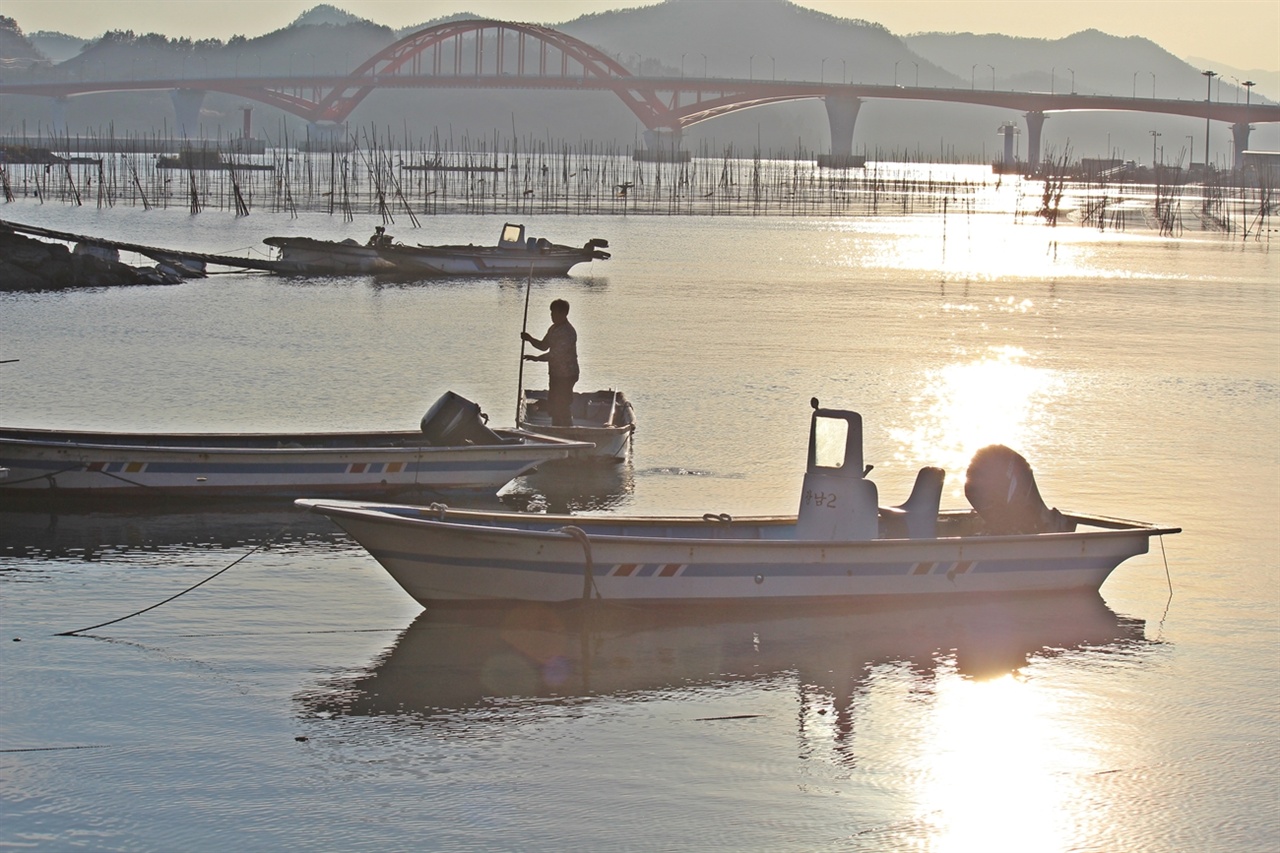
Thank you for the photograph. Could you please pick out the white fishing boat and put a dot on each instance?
(840, 545)
(514, 254)
(452, 451)
(605, 418)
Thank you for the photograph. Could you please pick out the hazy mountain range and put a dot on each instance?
(765, 39)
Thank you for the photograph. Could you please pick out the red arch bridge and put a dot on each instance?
(485, 54)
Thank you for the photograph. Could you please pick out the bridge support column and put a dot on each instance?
(1035, 123)
(325, 136)
(842, 114)
(1240, 136)
(186, 109)
(662, 145)
(1009, 159)
(58, 115)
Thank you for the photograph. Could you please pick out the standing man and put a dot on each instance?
(561, 345)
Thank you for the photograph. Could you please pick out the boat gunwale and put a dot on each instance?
(1110, 528)
(527, 440)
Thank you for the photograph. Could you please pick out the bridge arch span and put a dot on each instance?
(478, 48)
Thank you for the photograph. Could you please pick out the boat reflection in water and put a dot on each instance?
(567, 486)
(453, 660)
(91, 535)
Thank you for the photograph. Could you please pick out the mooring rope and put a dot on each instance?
(588, 574)
(7, 482)
(240, 559)
(1165, 557)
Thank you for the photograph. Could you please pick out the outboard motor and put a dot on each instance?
(454, 420)
(594, 246)
(837, 503)
(1000, 486)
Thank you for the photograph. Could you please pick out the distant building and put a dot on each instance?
(1265, 164)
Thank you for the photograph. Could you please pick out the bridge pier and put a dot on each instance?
(58, 115)
(326, 136)
(1240, 138)
(186, 110)
(1009, 130)
(1035, 124)
(842, 114)
(662, 145)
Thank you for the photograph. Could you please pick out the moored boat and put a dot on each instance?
(605, 418)
(452, 451)
(514, 254)
(840, 545)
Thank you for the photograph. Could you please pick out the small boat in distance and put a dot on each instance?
(840, 546)
(514, 254)
(605, 418)
(454, 451)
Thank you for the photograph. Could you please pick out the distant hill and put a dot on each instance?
(59, 47)
(1268, 82)
(1096, 63)
(326, 14)
(762, 39)
(16, 50)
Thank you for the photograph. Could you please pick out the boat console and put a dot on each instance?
(837, 503)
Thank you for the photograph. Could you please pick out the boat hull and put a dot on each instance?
(67, 466)
(447, 261)
(304, 255)
(604, 418)
(460, 556)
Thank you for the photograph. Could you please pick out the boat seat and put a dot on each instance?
(917, 516)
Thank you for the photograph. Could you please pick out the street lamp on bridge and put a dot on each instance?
(1248, 90)
(895, 71)
(822, 70)
(682, 56)
(1155, 134)
(973, 69)
(704, 66)
(1153, 84)
(751, 75)
(773, 67)
(1073, 80)
(993, 76)
(1208, 75)
(917, 65)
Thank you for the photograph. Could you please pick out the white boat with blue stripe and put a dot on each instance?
(841, 545)
(454, 451)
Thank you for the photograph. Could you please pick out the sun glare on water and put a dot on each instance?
(964, 406)
(995, 772)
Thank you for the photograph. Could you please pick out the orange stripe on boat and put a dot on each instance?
(133, 467)
(358, 467)
(963, 567)
(923, 568)
(625, 570)
(670, 570)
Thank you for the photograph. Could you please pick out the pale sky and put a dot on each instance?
(1242, 33)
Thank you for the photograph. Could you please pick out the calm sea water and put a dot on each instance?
(301, 701)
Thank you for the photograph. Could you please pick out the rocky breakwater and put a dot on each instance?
(30, 264)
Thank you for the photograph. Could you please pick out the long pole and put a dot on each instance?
(524, 327)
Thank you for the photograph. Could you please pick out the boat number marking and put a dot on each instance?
(820, 498)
